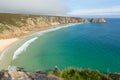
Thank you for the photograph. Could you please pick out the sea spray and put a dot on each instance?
(23, 47)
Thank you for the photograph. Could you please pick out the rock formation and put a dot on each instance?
(16, 24)
(39, 75)
(98, 20)
(23, 75)
(115, 76)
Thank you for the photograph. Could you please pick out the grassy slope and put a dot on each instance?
(67, 74)
(16, 24)
(78, 74)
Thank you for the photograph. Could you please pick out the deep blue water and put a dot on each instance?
(91, 45)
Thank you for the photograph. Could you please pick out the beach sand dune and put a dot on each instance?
(5, 43)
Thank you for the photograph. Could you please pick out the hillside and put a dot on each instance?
(15, 25)
(67, 74)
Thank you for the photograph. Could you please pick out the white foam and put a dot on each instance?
(26, 44)
(23, 47)
(11, 68)
(54, 29)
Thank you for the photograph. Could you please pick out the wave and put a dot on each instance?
(26, 44)
(54, 29)
(23, 47)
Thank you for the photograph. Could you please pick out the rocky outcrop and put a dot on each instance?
(17, 20)
(98, 20)
(15, 25)
(39, 75)
(115, 76)
(84, 20)
(23, 75)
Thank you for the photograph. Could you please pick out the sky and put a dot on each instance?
(81, 8)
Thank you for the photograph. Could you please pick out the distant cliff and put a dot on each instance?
(98, 20)
(17, 24)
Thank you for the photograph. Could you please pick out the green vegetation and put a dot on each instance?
(17, 25)
(3, 28)
(8, 22)
(22, 20)
(77, 74)
(66, 74)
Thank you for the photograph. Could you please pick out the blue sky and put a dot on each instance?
(85, 4)
(83, 8)
(91, 8)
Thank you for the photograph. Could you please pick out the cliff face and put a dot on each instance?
(17, 25)
(11, 21)
(98, 20)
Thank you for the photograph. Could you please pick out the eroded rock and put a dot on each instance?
(98, 20)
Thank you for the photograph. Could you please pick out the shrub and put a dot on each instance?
(77, 74)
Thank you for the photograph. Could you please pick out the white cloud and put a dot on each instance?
(114, 10)
(54, 7)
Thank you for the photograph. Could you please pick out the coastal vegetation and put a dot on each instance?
(79, 74)
(66, 74)
(16, 25)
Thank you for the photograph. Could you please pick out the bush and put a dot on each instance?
(77, 74)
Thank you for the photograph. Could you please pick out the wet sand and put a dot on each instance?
(5, 43)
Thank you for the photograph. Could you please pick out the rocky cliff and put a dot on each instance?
(23, 75)
(17, 24)
(98, 20)
(67, 74)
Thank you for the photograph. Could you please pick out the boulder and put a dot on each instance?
(115, 76)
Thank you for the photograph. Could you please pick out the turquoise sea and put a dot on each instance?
(90, 45)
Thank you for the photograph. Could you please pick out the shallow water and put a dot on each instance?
(95, 46)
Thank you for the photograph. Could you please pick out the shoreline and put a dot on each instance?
(8, 42)
(37, 34)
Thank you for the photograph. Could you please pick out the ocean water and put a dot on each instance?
(90, 45)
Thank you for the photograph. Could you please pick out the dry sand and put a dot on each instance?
(5, 43)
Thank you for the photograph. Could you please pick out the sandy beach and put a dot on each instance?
(5, 43)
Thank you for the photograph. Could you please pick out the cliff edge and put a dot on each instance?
(16, 25)
(98, 20)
